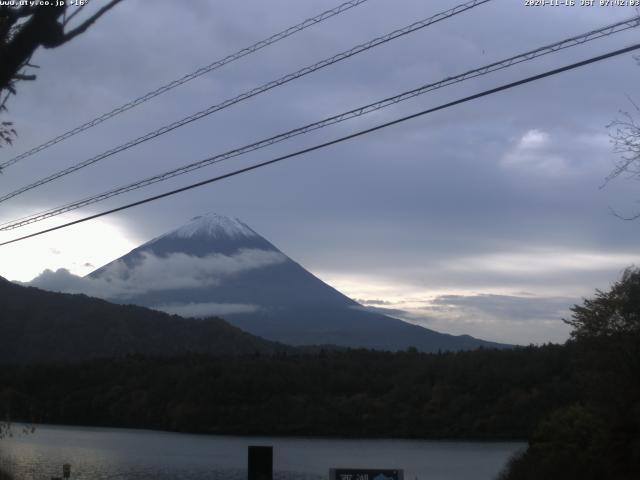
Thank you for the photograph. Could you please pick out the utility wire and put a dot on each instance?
(187, 78)
(337, 140)
(499, 65)
(256, 91)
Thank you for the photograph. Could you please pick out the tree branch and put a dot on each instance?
(76, 11)
(41, 28)
(22, 76)
(86, 24)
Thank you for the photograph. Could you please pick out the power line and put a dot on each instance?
(338, 140)
(188, 77)
(499, 65)
(251, 93)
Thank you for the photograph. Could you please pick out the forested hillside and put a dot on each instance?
(486, 394)
(36, 325)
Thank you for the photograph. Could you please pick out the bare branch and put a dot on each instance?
(22, 31)
(22, 76)
(632, 102)
(625, 138)
(75, 12)
(87, 23)
(622, 217)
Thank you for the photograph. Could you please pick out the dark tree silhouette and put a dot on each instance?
(25, 28)
(610, 314)
(599, 436)
(607, 328)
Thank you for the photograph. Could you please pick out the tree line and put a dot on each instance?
(578, 404)
(485, 394)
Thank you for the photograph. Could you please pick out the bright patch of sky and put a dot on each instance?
(79, 249)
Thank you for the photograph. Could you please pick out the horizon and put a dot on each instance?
(209, 224)
(488, 219)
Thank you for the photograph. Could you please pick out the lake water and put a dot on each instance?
(114, 454)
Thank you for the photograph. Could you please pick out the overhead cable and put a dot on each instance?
(187, 78)
(251, 93)
(335, 141)
(357, 112)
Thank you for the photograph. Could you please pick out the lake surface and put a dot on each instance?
(115, 454)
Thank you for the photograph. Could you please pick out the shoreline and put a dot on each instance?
(266, 435)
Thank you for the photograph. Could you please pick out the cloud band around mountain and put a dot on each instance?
(206, 309)
(175, 271)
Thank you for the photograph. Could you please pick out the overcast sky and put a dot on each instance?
(486, 218)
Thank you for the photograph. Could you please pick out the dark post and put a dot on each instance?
(260, 463)
(66, 470)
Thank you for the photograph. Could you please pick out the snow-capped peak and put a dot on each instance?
(214, 226)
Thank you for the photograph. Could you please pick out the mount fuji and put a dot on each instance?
(218, 266)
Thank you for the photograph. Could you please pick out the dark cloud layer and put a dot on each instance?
(488, 198)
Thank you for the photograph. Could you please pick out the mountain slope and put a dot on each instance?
(233, 250)
(36, 325)
(219, 265)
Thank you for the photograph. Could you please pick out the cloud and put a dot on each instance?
(507, 307)
(505, 318)
(542, 261)
(470, 182)
(534, 139)
(208, 309)
(562, 155)
(372, 301)
(391, 312)
(534, 151)
(176, 271)
(61, 281)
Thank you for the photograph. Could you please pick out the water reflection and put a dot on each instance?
(114, 454)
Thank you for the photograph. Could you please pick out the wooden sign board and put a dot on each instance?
(365, 474)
